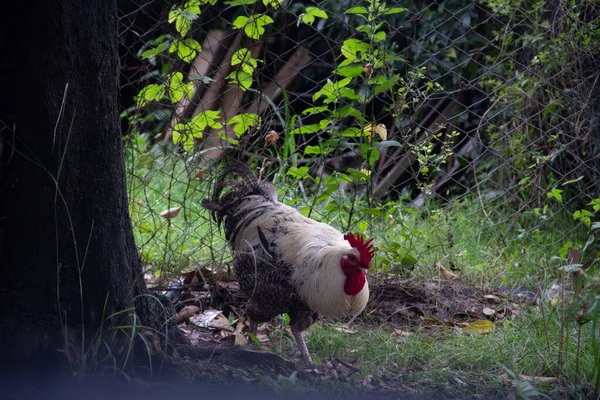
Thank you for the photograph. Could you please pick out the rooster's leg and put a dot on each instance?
(252, 327)
(306, 358)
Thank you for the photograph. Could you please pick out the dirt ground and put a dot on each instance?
(221, 352)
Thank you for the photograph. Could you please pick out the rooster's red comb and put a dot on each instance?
(366, 249)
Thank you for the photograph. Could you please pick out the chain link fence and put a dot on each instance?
(462, 135)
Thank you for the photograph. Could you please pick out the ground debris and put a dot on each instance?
(406, 302)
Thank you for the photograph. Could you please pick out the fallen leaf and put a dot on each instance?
(221, 322)
(493, 298)
(448, 275)
(170, 213)
(539, 379)
(186, 312)
(344, 329)
(203, 320)
(480, 326)
(240, 339)
(225, 274)
(489, 311)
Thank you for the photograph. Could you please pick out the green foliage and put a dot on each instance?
(545, 60)
(242, 123)
(177, 89)
(254, 26)
(185, 49)
(311, 13)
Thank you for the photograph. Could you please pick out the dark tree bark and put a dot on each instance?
(67, 256)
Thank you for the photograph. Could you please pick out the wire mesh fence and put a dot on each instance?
(458, 134)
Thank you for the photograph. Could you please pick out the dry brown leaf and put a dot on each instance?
(170, 213)
(488, 311)
(240, 339)
(186, 312)
(204, 319)
(344, 329)
(493, 298)
(378, 129)
(539, 379)
(368, 70)
(233, 286)
(225, 274)
(400, 332)
(201, 175)
(447, 274)
(221, 322)
(271, 137)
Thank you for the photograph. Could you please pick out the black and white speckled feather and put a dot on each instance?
(285, 262)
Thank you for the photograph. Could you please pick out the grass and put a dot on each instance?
(484, 242)
(453, 361)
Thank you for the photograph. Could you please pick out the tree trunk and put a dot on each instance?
(67, 256)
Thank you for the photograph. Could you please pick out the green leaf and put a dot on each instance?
(175, 86)
(188, 145)
(366, 29)
(357, 10)
(193, 6)
(407, 260)
(354, 49)
(348, 111)
(379, 36)
(313, 150)
(311, 13)
(186, 49)
(394, 10)
(204, 119)
(332, 90)
(239, 2)
(243, 122)
(315, 110)
(373, 156)
(240, 22)
(241, 78)
(153, 52)
(254, 27)
(183, 25)
(572, 181)
(305, 129)
(178, 133)
(273, 3)
(152, 92)
(349, 71)
(244, 58)
(354, 132)
(555, 194)
(562, 253)
(299, 173)
(451, 53)
(385, 85)
(583, 216)
(363, 226)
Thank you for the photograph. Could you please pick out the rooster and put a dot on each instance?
(285, 262)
